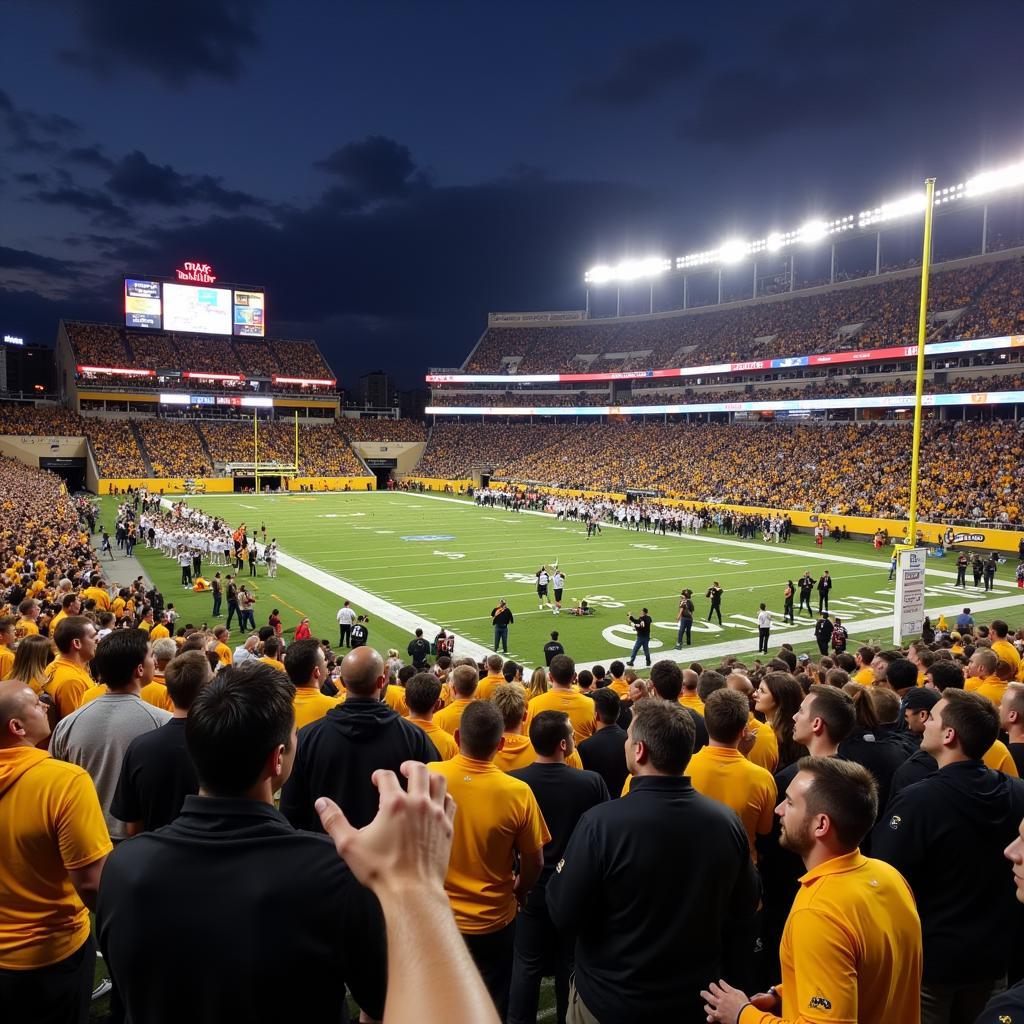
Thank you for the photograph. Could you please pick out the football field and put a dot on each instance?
(411, 560)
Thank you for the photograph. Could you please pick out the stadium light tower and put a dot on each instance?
(627, 272)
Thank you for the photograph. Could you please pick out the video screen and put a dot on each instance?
(248, 314)
(194, 309)
(142, 305)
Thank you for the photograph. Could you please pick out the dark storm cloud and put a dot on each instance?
(90, 156)
(91, 202)
(644, 72)
(31, 132)
(374, 168)
(176, 42)
(22, 259)
(137, 179)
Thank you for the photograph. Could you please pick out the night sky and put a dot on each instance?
(393, 171)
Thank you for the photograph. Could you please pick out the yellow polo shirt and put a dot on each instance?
(6, 661)
(991, 687)
(25, 627)
(765, 751)
(1008, 653)
(67, 684)
(394, 697)
(311, 705)
(273, 663)
(498, 815)
(445, 742)
(689, 699)
(159, 632)
(99, 595)
(620, 687)
(851, 948)
(999, 759)
(486, 687)
(223, 653)
(864, 676)
(725, 775)
(50, 823)
(518, 752)
(93, 692)
(155, 693)
(448, 718)
(577, 706)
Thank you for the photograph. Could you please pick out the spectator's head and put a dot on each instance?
(667, 680)
(23, 716)
(480, 732)
(1000, 630)
(962, 726)
(75, 638)
(562, 670)
(124, 661)
(423, 693)
(917, 707)
(944, 675)
(185, 676)
(829, 805)
(615, 669)
(465, 680)
(707, 682)
(607, 706)
(241, 732)
(726, 714)
(551, 735)
(826, 716)
(494, 663)
(982, 663)
(584, 680)
(511, 671)
(364, 673)
(305, 663)
(163, 650)
(510, 700)
(660, 739)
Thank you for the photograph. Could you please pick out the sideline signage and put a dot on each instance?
(908, 610)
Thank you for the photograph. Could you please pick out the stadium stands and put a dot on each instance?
(372, 429)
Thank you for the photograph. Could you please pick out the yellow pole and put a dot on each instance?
(296, 440)
(256, 448)
(922, 332)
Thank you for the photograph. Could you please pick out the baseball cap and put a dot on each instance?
(921, 698)
(804, 658)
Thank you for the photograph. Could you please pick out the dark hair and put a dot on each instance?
(667, 732)
(846, 792)
(787, 655)
(607, 705)
(617, 668)
(901, 674)
(421, 692)
(480, 730)
(946, 675)
(118, 655)
(973, 718)
(405, 673)
(300, 659)
(234, 725)
(69, 629)
(708, 682)
(867, 712)
(667, 679)
(836, 709)
(185, 675)
(726, 714)
(509, 670)
(562, 669)
(584, 679)
(598, 671)
(547, 730)
(272, 647)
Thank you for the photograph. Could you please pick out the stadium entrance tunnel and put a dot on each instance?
(70, 470)
(382, 469)
(247, 484)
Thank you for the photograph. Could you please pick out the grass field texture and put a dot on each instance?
(410, 560)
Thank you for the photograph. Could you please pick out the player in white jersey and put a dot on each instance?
(543, 579)
(558, 584)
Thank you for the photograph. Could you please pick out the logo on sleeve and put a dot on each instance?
(894, 822)
(820, 1003)
(560, 865)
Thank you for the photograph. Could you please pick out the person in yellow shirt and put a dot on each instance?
(97, 592)
(616, 670)
(851, 949)
(689, 697)
(561, 697)
(28, 613)
(306, 665)
(1002, 647)
(221, 635)
(70, 604)
(117, 606)
(8, 635)
(53, 844)
(161, 630)
(394, 692)
(721, 772)
(494, 677)
(498, 817)
(272, 649)
(67, 676)
(517, 751)
(146, 623)
(761, 746)
(423, 698)
(981, 675)
(155, 691)
(863, 657)
(464, 682)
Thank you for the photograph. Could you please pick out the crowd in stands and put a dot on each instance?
(847, 469)
(740, 841)
(821, 387)
(323, 450)
(112, 346)
(375, 429)
(175, 448)
(880, 314)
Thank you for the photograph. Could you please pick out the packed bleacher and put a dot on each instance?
(175, 448)
(863, 316)
(376, 429)
(323, 450)
(785, 808)
(851, 469)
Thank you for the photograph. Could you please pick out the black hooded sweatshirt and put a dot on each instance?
(946, 836)
(337, 754)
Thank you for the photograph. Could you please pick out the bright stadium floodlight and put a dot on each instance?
(628, 270)
(904, 207)
(774, 242)
(813, 231)
(994, 181)
(732, 251)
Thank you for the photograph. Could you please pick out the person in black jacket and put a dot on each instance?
(563, 794)
(1009, 1005)
(552, 647)
(229, 871)
(823, 633)
(605, 751)
(501, 619)
(824, 588)
(337, 755)
(644, 948)
(419, 650)
(946, 836)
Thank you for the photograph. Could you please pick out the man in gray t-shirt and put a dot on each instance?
(96, 736)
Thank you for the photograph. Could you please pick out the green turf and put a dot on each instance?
(448, 562)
